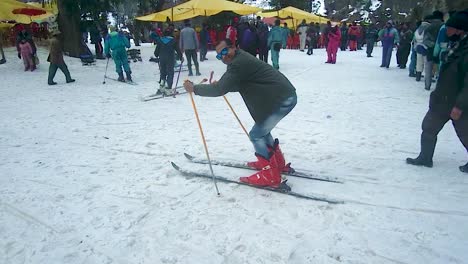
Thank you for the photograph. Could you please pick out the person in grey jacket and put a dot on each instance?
(430, 38)
(269, 97)
(449, 100)
(188, 43)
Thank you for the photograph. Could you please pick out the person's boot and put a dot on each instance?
(129, 76)
(197, 69)
(418, 76)
(70, 80)
(427, 152)
(279, 157)
(121, 77)
(52, 83)
(412, 74)
(464, 168)
(162, 88)
(269, 176)
(259, 164)
(190, 72)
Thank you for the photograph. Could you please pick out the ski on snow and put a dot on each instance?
(113, 79)
(240, 165)
(283, 189)
(160, 96)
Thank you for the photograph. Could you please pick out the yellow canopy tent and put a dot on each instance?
(195, 8)
(8, 6)
(295, 14)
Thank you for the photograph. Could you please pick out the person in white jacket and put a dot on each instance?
(421, 49)
(302, 31)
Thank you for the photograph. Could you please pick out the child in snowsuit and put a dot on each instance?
(166, 47)
(117, 42)
(26, 53)
(334, 38)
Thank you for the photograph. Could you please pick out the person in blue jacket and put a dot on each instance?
(275, 41)
(117, 43)
(390, 38)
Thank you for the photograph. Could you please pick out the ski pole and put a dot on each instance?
(232, 109)
(177, 80)
(105, 73)
(204, 142)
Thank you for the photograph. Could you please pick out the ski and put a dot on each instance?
(126, 82)
(240, 165)
(160, 96)
(283, 189)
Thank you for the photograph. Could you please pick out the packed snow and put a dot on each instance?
(86, 178)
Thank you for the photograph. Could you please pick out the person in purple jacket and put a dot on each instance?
(390, 38)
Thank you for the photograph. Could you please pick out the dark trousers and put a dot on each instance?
(53, 70)
(402, 54)
(387, 51)
(98, 48)
(263, 54)
(166, 68)
(370, 46)
(431, 126)
(192, 55)
(343, 44)
(203, 51)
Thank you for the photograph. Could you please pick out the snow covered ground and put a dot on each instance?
(85, 174)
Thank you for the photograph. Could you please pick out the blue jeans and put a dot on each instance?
(260, 134)
(387, 51)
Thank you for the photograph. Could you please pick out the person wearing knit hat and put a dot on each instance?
(449, 100)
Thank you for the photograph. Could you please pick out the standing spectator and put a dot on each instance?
(334, 38)
(311, 38)
(430, 38)
(231, 32)
(390, 38)
(117, 42)
(361, 36)
(26, 54)
(317, 30)
(420, 47)
(325, 32)
(262, 36)
(404, 49)
(353, 33)
(412, 66)
(302, 31)
(344, 36)
(276, 40)
(96, 39)
(372, 35)
(249, 41)
(23, 34)
(286, 34)
(188, 43)
(449, 100)
(56, 60)
(204, 40)
(442, 43)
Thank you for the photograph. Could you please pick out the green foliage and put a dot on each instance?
(301, 4)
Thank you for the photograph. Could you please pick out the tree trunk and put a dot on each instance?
(69, 25)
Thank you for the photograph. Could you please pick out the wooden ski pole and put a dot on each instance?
(232, 109)
(204, 141)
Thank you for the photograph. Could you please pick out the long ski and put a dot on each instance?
(160, 96)
(240, 165)
(283, 189)
(113, 79)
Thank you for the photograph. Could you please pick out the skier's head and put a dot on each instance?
(277, 22)
(225, 51)
(457, 26)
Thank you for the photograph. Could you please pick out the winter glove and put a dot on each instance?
(19, 55)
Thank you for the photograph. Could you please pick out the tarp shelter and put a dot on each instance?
(196, 8)
(8, 8)
(295, 14)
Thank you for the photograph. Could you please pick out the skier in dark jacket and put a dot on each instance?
(166, 48)
(249, 41)
(372, 34)
(344, 36)
(311, 38)
(269, 97)
(449, 100)
(204, 39)
(262, 36)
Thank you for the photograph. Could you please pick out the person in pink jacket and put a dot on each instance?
(25, 52)
(334, 38)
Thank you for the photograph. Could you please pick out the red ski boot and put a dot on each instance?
(279, 157)
(259, 164)
(268, 176)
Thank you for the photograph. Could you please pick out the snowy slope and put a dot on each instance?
(85, 175)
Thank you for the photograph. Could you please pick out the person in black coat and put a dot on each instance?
(166, 48)
(449, 100)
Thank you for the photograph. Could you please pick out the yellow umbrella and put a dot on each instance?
(195, 8)
(295, 14)
(7, 7)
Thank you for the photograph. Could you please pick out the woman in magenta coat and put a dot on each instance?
(334, 38)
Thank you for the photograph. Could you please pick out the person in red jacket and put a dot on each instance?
(231, 32)
(353, 34)
(334, 38)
